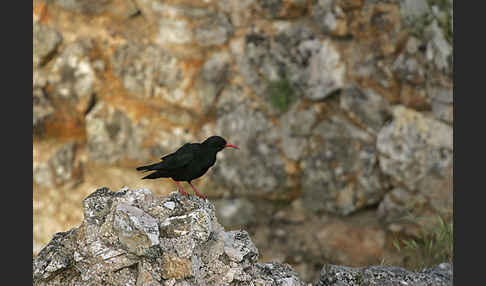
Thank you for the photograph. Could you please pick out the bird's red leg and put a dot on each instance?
(180, 189)
(197, 193)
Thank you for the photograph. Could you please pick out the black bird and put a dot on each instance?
(189, 162)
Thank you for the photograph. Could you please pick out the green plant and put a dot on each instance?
(281, 94)
(430, 248)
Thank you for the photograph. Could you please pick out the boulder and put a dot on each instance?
(341, 173)
(417, 152)
(334, 275)
(72, 80)
(132, 237)
(54, 163)
(312, 67)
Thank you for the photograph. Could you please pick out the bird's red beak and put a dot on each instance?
(232, 146)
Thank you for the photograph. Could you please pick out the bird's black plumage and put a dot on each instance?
(189, 162)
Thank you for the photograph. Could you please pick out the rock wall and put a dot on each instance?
(132, 237)
(342, 110)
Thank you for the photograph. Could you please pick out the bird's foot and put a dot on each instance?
(181, 190)
(201, 196)
(184, 193)
(196, 192)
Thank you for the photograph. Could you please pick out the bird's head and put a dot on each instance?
(218, 143)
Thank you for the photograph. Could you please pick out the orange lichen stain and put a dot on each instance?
(292, 167)
(134, 108)
(40, 11)
(372, 26)
(392, 93)
(291, 10)
(157, 111)
(334, 164)
(414, 98)
(188, 3)
(190, 69)
(391, 14)
(148, 142)
(341, 29)
(324, 111)
(350, 4)
(65, 125)
(112, 84)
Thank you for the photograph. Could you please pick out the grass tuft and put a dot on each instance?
(428, 249)
(281, 94)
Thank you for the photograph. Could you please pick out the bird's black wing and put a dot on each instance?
(182, 149)
(182, 157)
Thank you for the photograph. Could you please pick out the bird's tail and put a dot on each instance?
(148, 167)
(155, 175)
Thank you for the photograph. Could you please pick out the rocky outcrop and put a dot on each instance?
(333, 275)
(132, 237)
